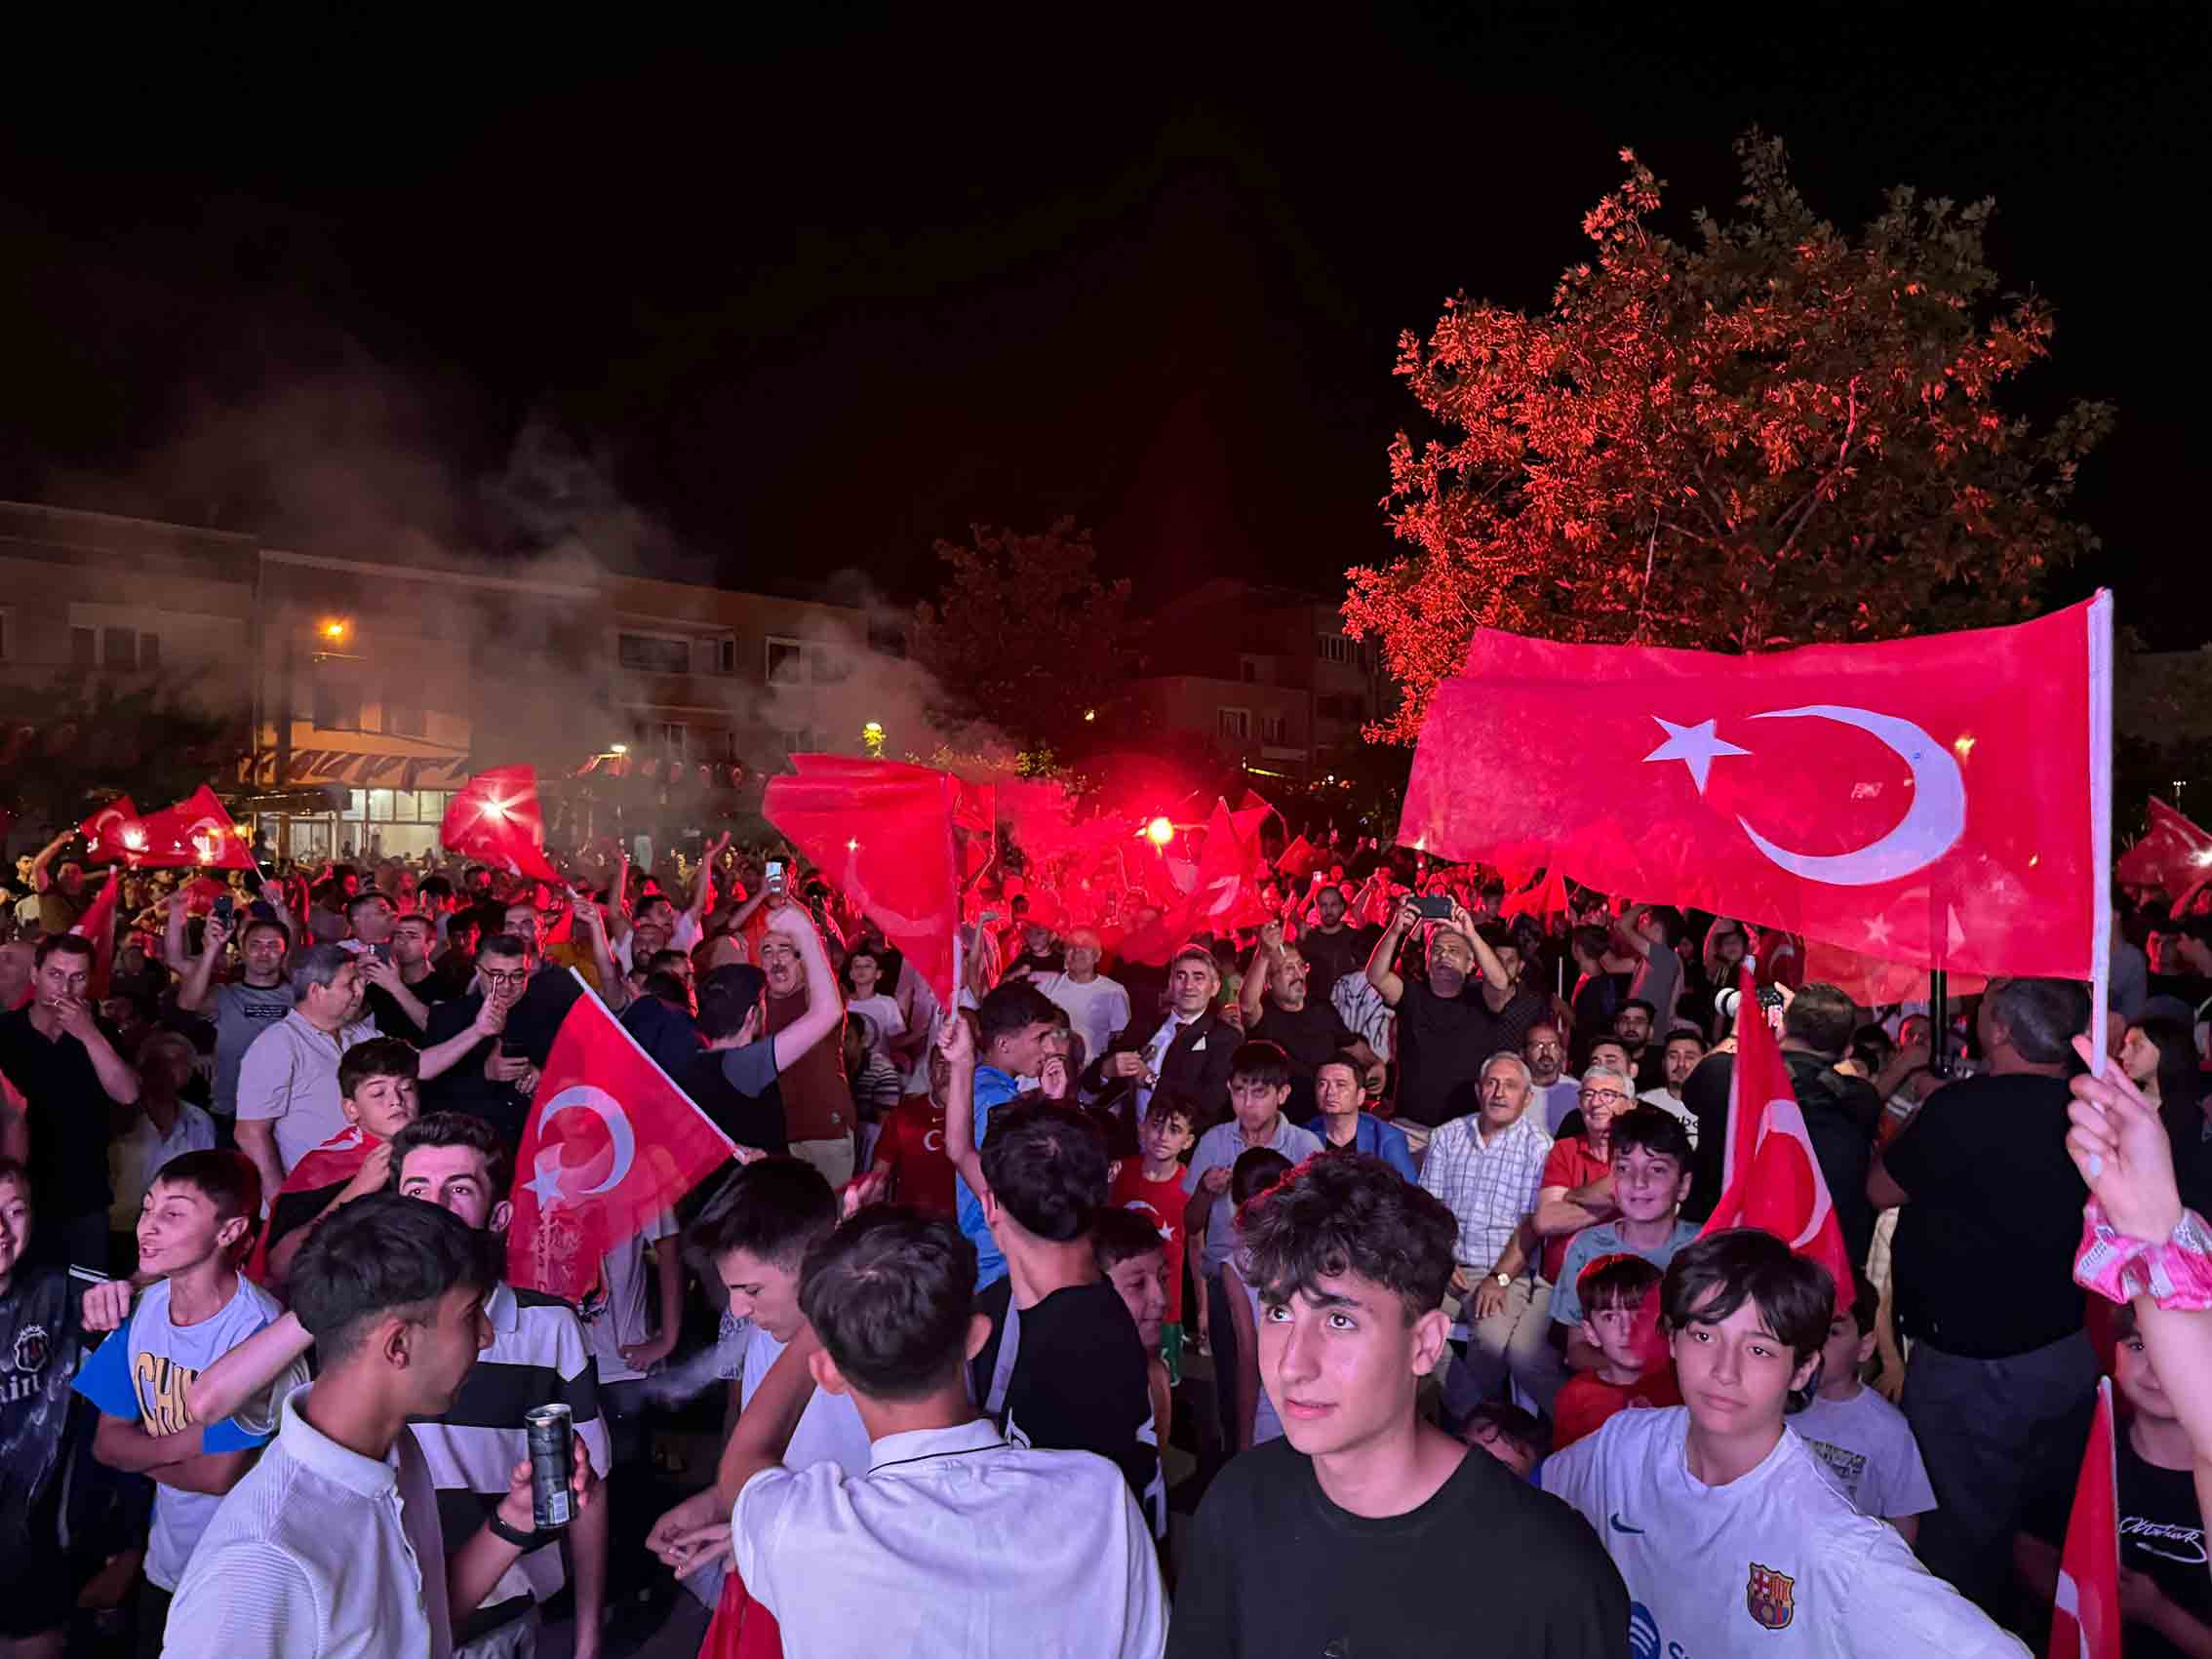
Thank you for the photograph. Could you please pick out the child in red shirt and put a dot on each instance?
(1636, 1371)
(1152, 1185)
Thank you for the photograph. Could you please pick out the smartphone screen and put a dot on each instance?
(774, 875)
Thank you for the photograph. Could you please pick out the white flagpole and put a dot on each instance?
(2100, 822)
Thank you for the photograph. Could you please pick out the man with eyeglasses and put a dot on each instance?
(1577, 1186)
(495, 1079)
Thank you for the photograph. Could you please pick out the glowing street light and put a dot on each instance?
(335, 629)
(1090, 714)
(617, 748)
(872, 735)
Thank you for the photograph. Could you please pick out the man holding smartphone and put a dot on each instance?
(1451, 1024)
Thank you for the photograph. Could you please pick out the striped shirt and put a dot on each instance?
(538, 1358)
(1490, 1187)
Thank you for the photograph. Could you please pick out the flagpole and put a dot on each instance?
(2100, 623)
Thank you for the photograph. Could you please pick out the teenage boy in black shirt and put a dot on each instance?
(1352, 1263)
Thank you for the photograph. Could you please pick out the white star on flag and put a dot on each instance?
(546, 1183)
(1696, 746)
(1878, 929)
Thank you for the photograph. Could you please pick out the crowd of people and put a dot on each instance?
(1293, 1293)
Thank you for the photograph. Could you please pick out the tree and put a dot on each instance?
(1023, 635)
(78, 744)
(1783, 434)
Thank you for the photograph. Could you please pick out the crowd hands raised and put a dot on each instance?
(1091, 1297)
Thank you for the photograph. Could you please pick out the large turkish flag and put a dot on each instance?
(197, 830)
(1941, 801)
(611, 1143)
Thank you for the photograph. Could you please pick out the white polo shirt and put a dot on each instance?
(290, 1076)
(319, 1553)
(956, 1543)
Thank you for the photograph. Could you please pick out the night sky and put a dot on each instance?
(810, 293)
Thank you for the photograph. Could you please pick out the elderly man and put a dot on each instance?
(1449, 1024)
(1096, 1006)
(288, 1087)
(819, 1116)
(1486, 1167)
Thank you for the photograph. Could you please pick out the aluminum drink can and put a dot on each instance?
(551, 1430)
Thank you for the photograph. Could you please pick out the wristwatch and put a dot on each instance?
(1503, 1280)
(501, 1530)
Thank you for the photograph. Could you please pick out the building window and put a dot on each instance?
(670, 737)
(887, 639)
(337, 704)
(653, 654)
(725, 655)
(1236, 723)
(119, 647)
(84, 648)
(149, 651)
(1248, 671)
(787, 661)
(1271, 728)
(1334, 647)
(403, 719)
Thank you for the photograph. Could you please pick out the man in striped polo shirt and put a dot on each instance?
(538, 1357)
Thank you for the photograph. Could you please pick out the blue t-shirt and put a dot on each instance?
(993, 1088)
(142, 1372)
(1604, 1239)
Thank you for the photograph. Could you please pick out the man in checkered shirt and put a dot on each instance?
(1485, 1167)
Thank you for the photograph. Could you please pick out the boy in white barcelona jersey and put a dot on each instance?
(1732, 1537)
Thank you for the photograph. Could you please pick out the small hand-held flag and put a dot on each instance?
(1769, 1176)
(611, 1143)
(496, 821)
(98, 924)
(2085, 1622)
(102, 831)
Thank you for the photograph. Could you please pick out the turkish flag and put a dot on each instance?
(1223, 890)
(1769, 1177)
(1943, 801)
(2085, 1620)
(338, 1159)
(98, 924)
(197, 830)
(496, 820)
(881, 832)
(102, 832)
(2174, 854)
(611, 1143)
(1299, 860)
(1872, 982)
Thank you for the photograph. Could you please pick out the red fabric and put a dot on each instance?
(1587, 1401)
(881, 832)
(196, 831)
(1298, 862)
(2174, 854)
(496, 821)
(1769, 1177)
(1871, 982)
(1224, 893)
(2085, 1622)
(338, 1159)
(1569, 1165)
(1935, 801)
(742, 1627)
(611, 1143)
(911, 1147)
(1161, 1203)
(102, 833)
(98, 924)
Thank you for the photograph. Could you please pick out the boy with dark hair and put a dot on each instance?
(1013, 1029)
(39, 1355)
(1259, 1086)
(378, 1090)
(1516, 1436)
(2165, 1596)
(1063, 1366)
(1650, 1165)
(195, 1228)
(920, 1538)
(1151, 1185)
(1611, 1292)
(331, 1545)
(1134, 1257)
(1725, 1525)
(1865, 1441)
(1352, 1263)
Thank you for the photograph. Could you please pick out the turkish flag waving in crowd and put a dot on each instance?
(881, 832)
(197, 830)
(2086, 1621)
(1943, 801)
(102, 832)
(98, 924)
(2174, 854)
(611, 1143)
(496, 821)
(1769, 1177)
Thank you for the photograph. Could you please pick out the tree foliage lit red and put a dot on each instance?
(1779, 435)
(1025, 636)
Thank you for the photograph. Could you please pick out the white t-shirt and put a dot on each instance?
(1096, 1011)
(631, 1295)
(829, 1429)
(1673, 1108)
(1561, 1096)
(685, 938)
(1776, 1564)
(1870, 1450)
(883, 1014)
